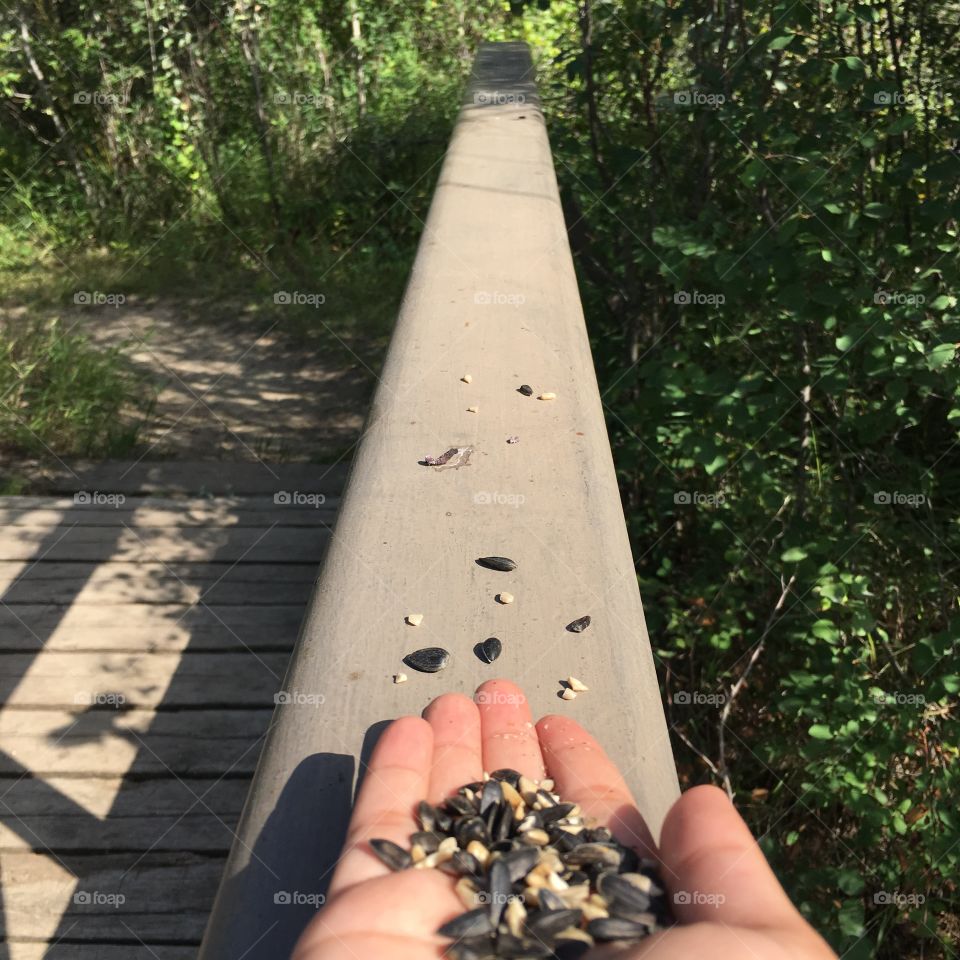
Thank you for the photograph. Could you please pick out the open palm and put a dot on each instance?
(735, 907)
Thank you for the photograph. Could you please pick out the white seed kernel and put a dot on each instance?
(414, 619)
(576, 685)
(568, 694)
(505, 597)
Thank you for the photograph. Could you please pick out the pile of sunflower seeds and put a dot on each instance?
(536, 879)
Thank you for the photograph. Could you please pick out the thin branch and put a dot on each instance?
(722, 769)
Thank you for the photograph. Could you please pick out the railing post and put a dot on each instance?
(493, 294)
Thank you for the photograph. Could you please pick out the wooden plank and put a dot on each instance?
(118, 582)
(149, 628)
(144, 544)
(77, 680)
(100, 743)
(187, 478)
(166, 896)
(60, 814)
(48, 514)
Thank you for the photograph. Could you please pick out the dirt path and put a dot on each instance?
(235, 389)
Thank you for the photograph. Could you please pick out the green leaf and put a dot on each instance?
(793, 555)
(844, 342)
(941, 355)
(778, 43)
(820, 731)
(877, 211)
(825, 630)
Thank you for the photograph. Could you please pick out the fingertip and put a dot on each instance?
(449, 703)
(499, 692)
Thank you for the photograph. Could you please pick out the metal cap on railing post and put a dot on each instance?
(493, 294)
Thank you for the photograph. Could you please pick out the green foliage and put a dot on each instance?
(764, 214)
(59, 393)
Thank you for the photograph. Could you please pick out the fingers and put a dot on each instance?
(714, 868)
(457, 756)
(397, 778)
(585, 775)
(507, 730)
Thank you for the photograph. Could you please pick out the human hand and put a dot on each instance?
(735, 907)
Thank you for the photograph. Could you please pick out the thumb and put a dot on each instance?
(714, 869)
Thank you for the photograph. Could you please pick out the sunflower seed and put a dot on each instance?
(503, 564)
(399, 678)
(568, 694)
(394, 856)
(505, 773)
(578, 626)
(499, 889)
(473, 923)
(492, 795)
(547, 396)
(505, 598)
(589, 853)
(613, 928)
(546, 924)
(472, 409)
(525, 389)
(520, 862)
(466, 378)
(578, 686)
(551, 901)
(428, 660)
(414, 619)
(490, 649)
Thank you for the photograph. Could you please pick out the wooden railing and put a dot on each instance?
(492, 294)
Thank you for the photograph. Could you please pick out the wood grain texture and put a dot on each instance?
(492, 292)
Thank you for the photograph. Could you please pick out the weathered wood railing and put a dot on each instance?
(493, 294)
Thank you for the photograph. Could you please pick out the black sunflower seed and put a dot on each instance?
(590, 853)
(556, 812)
(460, 805)
(613, 928)
(499, 889)
(395, 857)
(490, 649)
(428, 660)
(472, 828)
(549, 900)
(546, 924)
(461, 864)
(521, 862)
(492, 795)
(578, 626)
(503, 824)
(570, 949)
(426, 840)
(620, 891)
(503, 564)
(525, 389)
(473, 923)
(505, 773)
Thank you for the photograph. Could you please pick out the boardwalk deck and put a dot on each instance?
(141, 646)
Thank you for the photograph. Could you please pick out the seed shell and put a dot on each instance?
(525, 389)
(578, 626)
(428, 659)
(490, 649)
(394, 856)
(503, 564)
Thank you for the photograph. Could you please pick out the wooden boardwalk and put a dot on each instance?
(141, 646)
